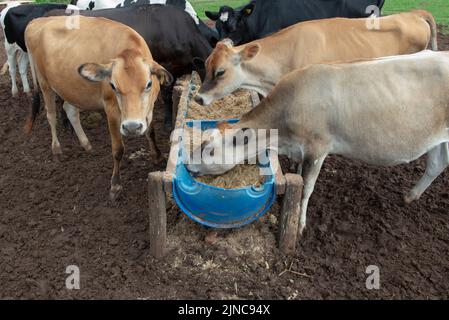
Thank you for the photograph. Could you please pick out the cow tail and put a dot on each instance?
(428, 17)
(36, 100)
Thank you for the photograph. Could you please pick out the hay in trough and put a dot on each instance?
(240, 176)
(231, 107)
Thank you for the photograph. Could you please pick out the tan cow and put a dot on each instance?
(385, 112)
(260, 64)
(100, 65)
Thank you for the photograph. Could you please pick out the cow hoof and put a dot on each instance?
(15, 94)
(57, 157)
(408, 199)
(56, 150)
(115, 192)
(301, 231)
(87, 147)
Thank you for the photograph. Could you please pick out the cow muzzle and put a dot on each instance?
(133, 128)
(199, 99)
(203, 99)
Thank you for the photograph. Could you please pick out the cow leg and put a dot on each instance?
(311, 169)
(155, 152)
(11, 56)
(118, 149)
(23, 62)
(50, 106)
(437, 161)
(73, 114)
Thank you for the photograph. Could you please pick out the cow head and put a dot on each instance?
(223, 141)
(231, 144)
(224, 72)
(232, 23)
(135, 84)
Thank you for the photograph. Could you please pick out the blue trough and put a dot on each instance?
(217, 207)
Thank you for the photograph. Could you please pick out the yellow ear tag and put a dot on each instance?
(248, 11)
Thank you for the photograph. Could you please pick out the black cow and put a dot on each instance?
(17, 19)
(260, 18)
(172, 36)
(211, 35)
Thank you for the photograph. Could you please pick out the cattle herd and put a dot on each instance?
(335, 77)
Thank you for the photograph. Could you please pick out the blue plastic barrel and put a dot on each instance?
(217, 207)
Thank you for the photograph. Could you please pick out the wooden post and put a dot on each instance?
(290, 213)
(157, 215)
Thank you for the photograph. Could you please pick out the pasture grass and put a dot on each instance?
(439, 8)
(213, 5)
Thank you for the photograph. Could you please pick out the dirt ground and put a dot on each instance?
(56, 214)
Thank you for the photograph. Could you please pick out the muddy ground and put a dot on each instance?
(55, 214)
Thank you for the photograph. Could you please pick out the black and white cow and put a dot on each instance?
(211, 35)
(14, 19)
(260, 18)
(14, 56)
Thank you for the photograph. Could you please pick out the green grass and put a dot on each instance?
(213, 5)
(439, 8)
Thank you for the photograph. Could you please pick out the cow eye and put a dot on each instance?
(113, 87)
(220, 73)
(148, 86)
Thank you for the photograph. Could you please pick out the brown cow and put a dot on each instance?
(100, 65)
(261, 64)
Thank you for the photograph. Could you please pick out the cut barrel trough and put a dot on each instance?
(212, 206)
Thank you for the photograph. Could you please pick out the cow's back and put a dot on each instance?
(58, 52)
(406, 96)
(271, 16)
(172, 36)
(341, 39)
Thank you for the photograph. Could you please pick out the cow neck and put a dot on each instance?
(261, 77)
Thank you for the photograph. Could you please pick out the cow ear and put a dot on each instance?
(248, 9)
(164, 76)
(214, 16)
(250, 52)
(95, 72)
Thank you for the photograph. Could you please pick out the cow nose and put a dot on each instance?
(199, 100)
(132, 128)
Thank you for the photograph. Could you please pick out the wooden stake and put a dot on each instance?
(290, 213)
(157, 215)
